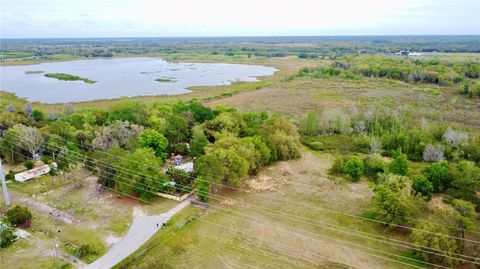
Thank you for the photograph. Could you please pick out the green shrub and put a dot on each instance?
(429, 235)
(354, 168)
(10, 175)
(399, 165)
(28, 164)
(203, 189)
(423, 186)
(393, 206)
(18, 215)
(38, 115)
(337, 167)
(439, 175)
(84, 250)
(7, 236)
(373, 165)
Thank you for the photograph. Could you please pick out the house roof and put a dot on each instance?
(187, 167)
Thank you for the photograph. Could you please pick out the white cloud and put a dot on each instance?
(98, 18)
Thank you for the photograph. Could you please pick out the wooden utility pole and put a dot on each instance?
(6, 196)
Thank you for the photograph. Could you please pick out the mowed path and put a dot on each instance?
(141, 230)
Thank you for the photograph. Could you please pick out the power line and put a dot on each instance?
(288, 247)
(130, 172)
(402, 242)
(327, 237)
(351, 233)
(369, 238)
(298, 204)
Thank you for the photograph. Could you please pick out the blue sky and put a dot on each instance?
(154, 18)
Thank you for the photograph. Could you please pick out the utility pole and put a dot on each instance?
(6, 196)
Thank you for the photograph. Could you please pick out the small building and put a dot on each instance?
(32, 173)
(187, 167)
(177, 159)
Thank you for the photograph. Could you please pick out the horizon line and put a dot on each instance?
(251, 36)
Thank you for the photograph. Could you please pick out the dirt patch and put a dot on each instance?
(46, 209)
(437, 203)
(228, 202)
(265, 183)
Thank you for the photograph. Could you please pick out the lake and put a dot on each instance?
(120, 77)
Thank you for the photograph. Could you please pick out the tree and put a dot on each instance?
(399, 165)
(203, 189)
(423, 186)
(226, 122)
(467, 182)
(281, 137)
(199, 141)
(253, 121)
(373, 165)
(29, 138)
(441, 247)
(454, 138)
(393, 207)
(118, 134)
(465, 218)
(83, 138)
(439, 175)
(224, 166)
(262, 154)
(147, 178)
(154, 140)
(177, 129)
(10, 144)
(354, 168)
(433, 153)
(18, 215)
(200, 112)
(134, 112)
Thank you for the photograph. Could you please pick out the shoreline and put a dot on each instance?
(191, 90)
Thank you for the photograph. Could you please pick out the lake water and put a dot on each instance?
(121, 77)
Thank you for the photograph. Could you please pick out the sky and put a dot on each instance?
(175, 18)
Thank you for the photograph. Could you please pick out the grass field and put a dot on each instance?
(103, 219)
(274, 228)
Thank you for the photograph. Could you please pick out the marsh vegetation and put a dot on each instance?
(68, 77)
